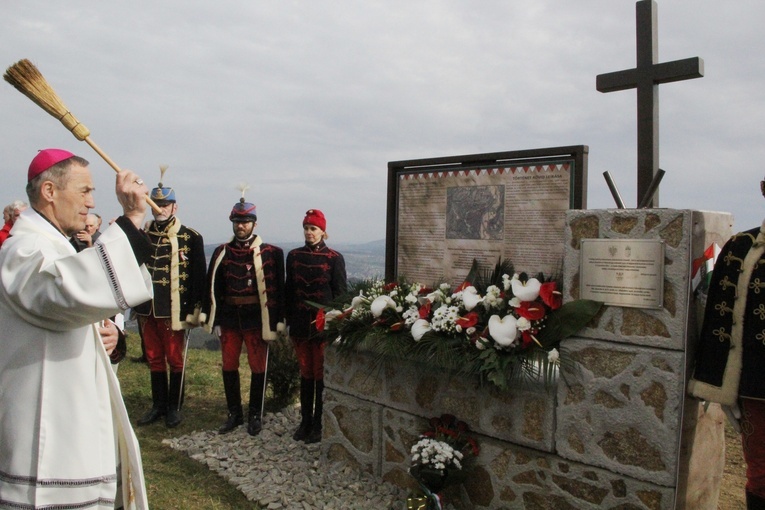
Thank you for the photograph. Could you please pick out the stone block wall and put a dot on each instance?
(616, 431)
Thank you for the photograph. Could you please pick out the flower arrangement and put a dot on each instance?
(437, 457)
(499, 325)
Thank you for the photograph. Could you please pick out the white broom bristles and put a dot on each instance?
(28, 80)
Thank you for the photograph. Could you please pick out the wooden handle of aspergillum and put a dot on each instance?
(117, 169)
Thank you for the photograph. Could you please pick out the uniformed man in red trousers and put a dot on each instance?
(177, 269)
(244, 304)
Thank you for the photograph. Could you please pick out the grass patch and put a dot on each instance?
(173, 480)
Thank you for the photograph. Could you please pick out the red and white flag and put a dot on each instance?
(701, 269)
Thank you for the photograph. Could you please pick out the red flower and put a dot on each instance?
(397, 326)
(320, 320)
(531, 310)
(526, 339)
(425, 310)
(462, 287)
(390, 286)
(550, 295)
(468, 321)
(474, 446)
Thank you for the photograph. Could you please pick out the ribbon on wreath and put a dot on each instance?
(430, 501)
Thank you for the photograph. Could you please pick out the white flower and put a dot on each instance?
(491, 299)
(503, 331)
(470, 298)
(436, 295)
(437, 454)
(553, 356)
(380, 304)
(506, 282)
(514, 302)
(411, 315)
(444, 318)
(359, 301)
(419, 328)
(528, 291)
(469, 331)
(523, 324)
(330, 316)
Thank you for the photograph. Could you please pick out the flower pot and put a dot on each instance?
(433, 479)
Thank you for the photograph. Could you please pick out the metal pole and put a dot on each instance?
(183, 370)
(652, 189)
(614, 190)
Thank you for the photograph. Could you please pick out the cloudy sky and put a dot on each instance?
(308, 101)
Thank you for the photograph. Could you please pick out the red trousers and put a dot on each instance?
(163, 345)
(310, 355)
(231, 341)
(753, 441)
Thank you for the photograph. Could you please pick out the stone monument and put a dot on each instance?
(617, 430)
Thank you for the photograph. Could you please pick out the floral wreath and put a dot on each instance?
(500, 325)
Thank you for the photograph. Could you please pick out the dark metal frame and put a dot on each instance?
(578, 154)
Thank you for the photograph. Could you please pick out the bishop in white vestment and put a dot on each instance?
(65, 438)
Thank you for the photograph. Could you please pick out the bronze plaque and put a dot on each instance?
(623, 272)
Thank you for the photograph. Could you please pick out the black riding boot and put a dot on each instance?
(257, 384)
(175, 401)
(233, 401)
(158, 397)
(306, 409)
(315, 435)
(754, 502)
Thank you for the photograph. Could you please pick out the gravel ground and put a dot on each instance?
(278, 472)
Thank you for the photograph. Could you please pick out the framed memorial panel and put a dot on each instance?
(444, 212)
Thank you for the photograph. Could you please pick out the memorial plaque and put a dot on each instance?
(623, 272)
(443, 214)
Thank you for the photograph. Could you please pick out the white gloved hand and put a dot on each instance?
(216, 332)
(734, 416)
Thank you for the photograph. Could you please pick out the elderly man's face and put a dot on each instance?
(166, 211)
(16, 212)
(72, 203)
(91, 224)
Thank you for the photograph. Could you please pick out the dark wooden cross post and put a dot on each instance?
(646, 77)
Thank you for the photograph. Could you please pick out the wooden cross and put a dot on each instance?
(646, 77)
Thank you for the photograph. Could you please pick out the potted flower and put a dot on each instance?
(438, 458)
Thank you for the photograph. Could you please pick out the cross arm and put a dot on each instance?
(678, 70)
(665, 72)
(618, 80)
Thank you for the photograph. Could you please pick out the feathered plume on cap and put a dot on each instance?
(243, 211)
(163, 195)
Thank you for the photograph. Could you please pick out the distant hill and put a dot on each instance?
(363, 261)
